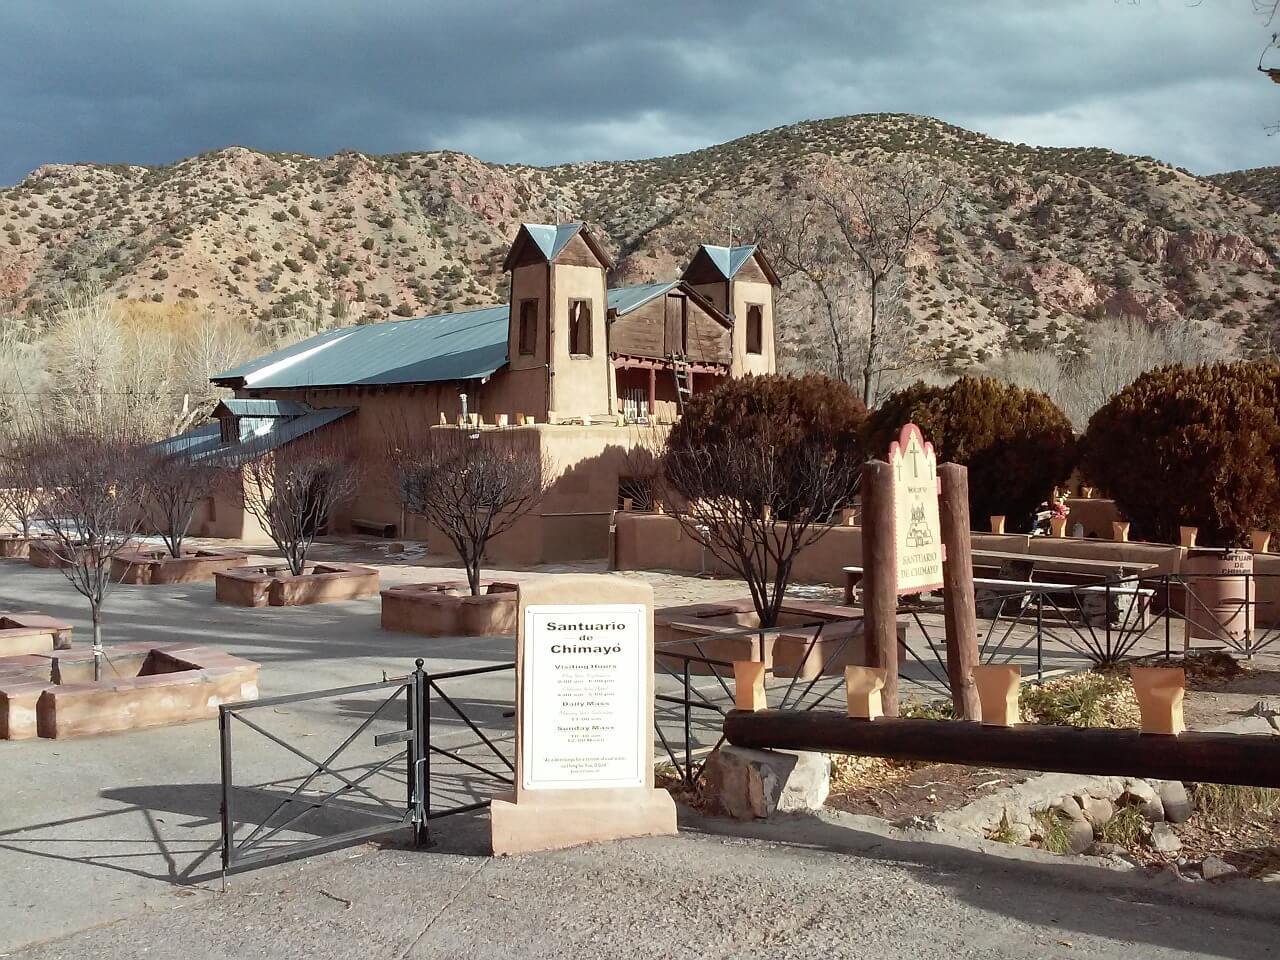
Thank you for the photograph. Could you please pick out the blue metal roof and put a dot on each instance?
(262, 408)
(455, 346)
(729, 260)
(205, 443)
(625, 299)
(551, 238)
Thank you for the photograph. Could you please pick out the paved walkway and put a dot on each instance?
(808, 888)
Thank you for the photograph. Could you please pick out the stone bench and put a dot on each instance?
(375, 528)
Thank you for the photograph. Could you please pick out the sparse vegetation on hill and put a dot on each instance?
(1039, 244)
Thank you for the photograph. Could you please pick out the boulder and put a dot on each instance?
(1079, 834)
(1175, 802)
(755, 784)
(1140, 794)
(1069, 808)
(1097, 810)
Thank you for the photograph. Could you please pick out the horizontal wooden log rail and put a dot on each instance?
(1231, 758)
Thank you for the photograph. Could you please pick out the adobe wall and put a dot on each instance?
(580, 386)
(753, 292)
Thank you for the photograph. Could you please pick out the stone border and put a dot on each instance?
(246, 586)
(14, 546)
(154, 565)
(186, 682)
(697, 630)
(32, 633)
(448, 609)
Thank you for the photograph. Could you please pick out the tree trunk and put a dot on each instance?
(97, 641)
(868, 368)
(473, 574)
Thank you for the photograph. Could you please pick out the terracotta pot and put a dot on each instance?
(997, 524)
(1217, 590)
(1260, 541)
(862, 690)
(998, 686)
(1058, 526)
(1187, 537)
(1120, 531)
(1160, 692)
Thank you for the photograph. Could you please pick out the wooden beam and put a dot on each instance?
(1233, 758)
(958, 602)
(880, 584)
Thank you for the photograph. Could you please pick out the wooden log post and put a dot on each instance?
(880, 578)
(958, 604)
(1244, 759)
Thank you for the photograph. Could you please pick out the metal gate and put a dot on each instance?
(377, 779)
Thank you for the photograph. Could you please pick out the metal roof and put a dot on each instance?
(237, 407)
(623, 300)
(729, 260)
(552, 238)
(455, 346)
(205, 443)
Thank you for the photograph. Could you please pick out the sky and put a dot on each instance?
(549, 81)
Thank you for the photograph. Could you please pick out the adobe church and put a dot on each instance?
(581, 369)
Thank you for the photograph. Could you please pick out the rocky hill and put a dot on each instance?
(1040, 243)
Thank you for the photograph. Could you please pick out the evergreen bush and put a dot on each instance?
(1016, 443)
(1192, 446)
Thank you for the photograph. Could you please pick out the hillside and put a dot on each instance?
(1042, 242)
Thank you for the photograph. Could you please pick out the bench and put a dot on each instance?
(993, 595)
(374, 528)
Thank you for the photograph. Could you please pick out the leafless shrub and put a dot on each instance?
(178, 485)
(19, 486)
(292, 490)
(471, 486)
(94, 486)
(640, 478)
(755, 506)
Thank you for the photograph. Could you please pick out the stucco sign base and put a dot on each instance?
(584, 718)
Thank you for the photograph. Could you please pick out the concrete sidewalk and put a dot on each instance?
(833, 887)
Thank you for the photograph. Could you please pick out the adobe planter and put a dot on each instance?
(44, 554)
(449, 610)
(22, 634)
(155, 565)
(275, 586)
(14, 545)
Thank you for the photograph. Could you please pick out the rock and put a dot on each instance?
(755, 784)
(1097, 810)
(1019, 833)
(1100, 849)
(1215, 868)
(395, 547)
(1142, 795)
(1163, 839)
(1069, 808)
(1175, 802)
(1079, 834)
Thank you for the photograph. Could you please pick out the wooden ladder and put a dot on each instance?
(684, 384)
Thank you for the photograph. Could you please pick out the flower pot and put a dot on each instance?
(998, 686)
(1187, 537)
(1260, 541)
(748, 685)
(997, 524)
(1160, 692)
(1120, 531)
(862, 690)
(1058, 527)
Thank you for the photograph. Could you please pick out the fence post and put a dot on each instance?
(879, 558)
(228, 821)
(420, 780)
(959, 605)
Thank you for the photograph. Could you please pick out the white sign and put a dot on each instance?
(917, 526)
(583, 699)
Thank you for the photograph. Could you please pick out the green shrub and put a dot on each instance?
(1016, 443)
(1195, 446)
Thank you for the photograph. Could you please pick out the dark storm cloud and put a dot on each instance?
(150, 81)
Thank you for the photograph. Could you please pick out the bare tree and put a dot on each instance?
(845, 239)
(94, 488)
(471, 486)
(178, 485)
(293, 489)
(19, 486)
(755, 506)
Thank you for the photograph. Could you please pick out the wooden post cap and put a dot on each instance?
(748, 685)
(862, 690)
